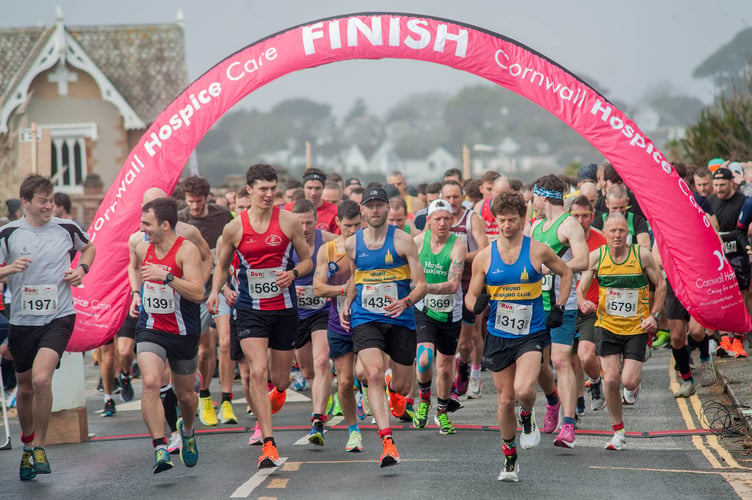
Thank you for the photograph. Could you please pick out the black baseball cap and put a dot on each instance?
(375, 194)
(723, 173)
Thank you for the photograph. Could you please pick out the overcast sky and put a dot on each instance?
(625, 47)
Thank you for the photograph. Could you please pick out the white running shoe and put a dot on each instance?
(618, 442)
(630, 397)
(530, 436)
(473, 389)
(174, 444)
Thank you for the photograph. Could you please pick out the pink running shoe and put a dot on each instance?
(566, 438)
(256, 439)
(551, 421)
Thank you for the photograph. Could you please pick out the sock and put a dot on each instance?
(595, 380)
(270, 440)
(227, 396)
(568, 420)
(441, 406)
(525, 413)
(386, 433)
(581, 402)
(739, 336)
(424, 389)
(475, 371)
(204, 393)
(27, 439)
(618, 427)
(317, 416)
(170, 405)
(682, 362)
(159, 442)
(509, 447)
(704, 346)
(353, 428)
(552, 398)
(107, 397)
(409, 401)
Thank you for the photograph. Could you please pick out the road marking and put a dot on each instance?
(277, 483)
(259, 477)
(335, 421)
(291, 466)
(671, 471)
(723, 452)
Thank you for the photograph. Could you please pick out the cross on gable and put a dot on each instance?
(62, 76)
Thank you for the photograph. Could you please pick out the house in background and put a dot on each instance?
(96, 89)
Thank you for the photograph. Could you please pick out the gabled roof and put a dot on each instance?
(140, 68)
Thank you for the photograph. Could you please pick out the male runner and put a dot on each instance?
(314, 180)
(517, 324)
(36, 253)
(166, 272)
(439, 315)
(330, 281)
(624, 319)
(378, 309)
(263, 238)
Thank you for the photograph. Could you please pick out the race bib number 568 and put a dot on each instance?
(262, 283)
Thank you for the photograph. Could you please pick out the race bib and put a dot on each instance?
(547, 283)
(373, 297)
(439, 303)
(621, 302)
(262, 283)
(513, 318)
(340, 302)
(307, 299)
(39, 300)
(158, 298)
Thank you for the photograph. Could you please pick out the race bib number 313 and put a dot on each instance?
(513, 318)
(39, 300)
(374, 297)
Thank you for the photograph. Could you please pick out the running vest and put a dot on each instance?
(551, 284)
(261, 257)
(630, 224)
(623, 293)
(308, 303)
(162, 307)
(516, 306)
(444, 308)
(464, 231)
(492, 228)
(379, 273)
(337, 274)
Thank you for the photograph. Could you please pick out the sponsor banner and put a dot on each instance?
(700, 275)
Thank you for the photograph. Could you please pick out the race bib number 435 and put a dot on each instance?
(39, 300)
(374, 297)
(262, 283)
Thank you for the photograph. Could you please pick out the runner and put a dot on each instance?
(311, 346)
(624, 319)
(565, 236)
(267, 316)
(37, 266)
(384, 263)
(495, 187)
(439, 314)
(413, 203)
(517, 324)
(330, 280)
(314, 180)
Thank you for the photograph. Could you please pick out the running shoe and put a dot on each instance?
(360, 410)
(473, 388)
(706, 373)
(409, 414)
(421, 416)
(336, 407)
(445, 426)
(135, 370)
(510, 470)
(724, 348)
(206, 413)
(685, 390)
(126, 388)
(530, 437)
(109, 408)
(630, 397)
(27, 471)
(329, 406)
(662, 337)
(618, 442)
(737, 348)
(162, 460)
(316, 436)
(566, 438)
(551, 420)
(298, 380)
(463, 377)
(189, 448)
(277, 400)
(226, 415)
(256, 438)
(354, 442)
(269, 456)
(41, 464)
(174, 443)
(390, 455)
(597, 401)
(454, 402)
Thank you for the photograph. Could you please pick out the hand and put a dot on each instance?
(212, 303)
(19, 265)
(481, 302)
(135, 305)
(649, 324)
(587, 307)
(153, 272)
(74, 277)
(231, 296)
(395, 307)
(555, 318)
(344, 316)
(5, 352)
(285, 279)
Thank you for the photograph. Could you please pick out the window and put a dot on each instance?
(68, 167)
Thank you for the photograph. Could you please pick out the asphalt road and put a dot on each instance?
(668, 455)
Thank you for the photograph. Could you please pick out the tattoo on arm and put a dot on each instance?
(455, 275)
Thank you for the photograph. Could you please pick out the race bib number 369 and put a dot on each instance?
(39, 300)
(262, 283)
(439, 303)
(374, 297)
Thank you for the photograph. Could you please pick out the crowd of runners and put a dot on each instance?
(403, 293)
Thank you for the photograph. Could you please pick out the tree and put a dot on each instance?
(729, 64)
(723, 129)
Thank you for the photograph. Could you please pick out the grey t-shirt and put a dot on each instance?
(50, 248)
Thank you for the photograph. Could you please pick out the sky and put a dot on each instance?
(624, 49)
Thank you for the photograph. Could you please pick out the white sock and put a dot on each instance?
(107, 397)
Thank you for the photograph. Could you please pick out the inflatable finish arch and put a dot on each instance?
(692, 255)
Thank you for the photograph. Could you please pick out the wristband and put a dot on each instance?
(295, 273)
(134, 292)
(343, 290)
(408, 302)
(85, 267)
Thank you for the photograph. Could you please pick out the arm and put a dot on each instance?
(557, 266)
(321, 286)
(454, 279)
(230, 237)
(292, 228)
(74, 276)
(406, 247)
(191, 285)
(192, 234)
(137, 250)
(351, 293)
(586, 279)
(478, 228)
(478, 279)
(650, 324)
(575, 238)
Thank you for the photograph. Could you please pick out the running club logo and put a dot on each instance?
(388, 259)
(273, 240)
(524, 276)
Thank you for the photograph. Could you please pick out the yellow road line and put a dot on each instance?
(277, 483)
(723, 452)
(671, 471)
(700, 445)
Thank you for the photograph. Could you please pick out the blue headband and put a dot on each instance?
(556, 195)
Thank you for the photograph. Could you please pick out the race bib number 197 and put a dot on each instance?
(39, 300)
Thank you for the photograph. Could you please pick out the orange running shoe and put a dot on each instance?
(724, 348)
(390, 455)
(397, 402)
(737, 348)
(269, 456)
(277, 399)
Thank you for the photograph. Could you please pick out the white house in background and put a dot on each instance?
(354, 161)
(431, 168)
(384, 160)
